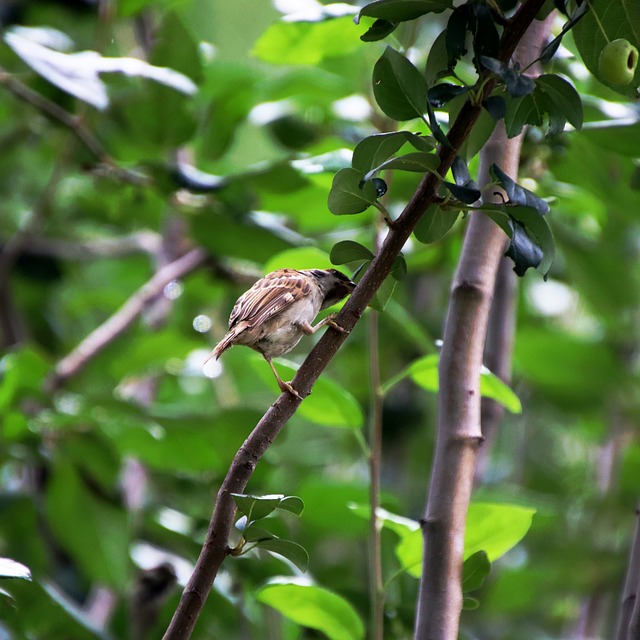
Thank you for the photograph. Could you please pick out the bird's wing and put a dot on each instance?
(269, 296)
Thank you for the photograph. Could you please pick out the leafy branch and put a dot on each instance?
(215, 548)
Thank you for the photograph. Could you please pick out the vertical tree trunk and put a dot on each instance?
(459, 427)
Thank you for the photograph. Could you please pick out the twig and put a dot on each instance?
(75, 124)
(215, 549)
(106, 333)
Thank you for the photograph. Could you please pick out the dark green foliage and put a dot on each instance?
(249, 166)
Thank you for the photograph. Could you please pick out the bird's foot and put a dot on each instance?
(287, 386)
(333, 324)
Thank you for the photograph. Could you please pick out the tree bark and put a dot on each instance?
(459, 421)
(629, 616)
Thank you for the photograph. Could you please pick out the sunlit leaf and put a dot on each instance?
(314, 607)
(79, 73)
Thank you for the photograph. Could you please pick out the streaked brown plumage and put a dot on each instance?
(278, 310)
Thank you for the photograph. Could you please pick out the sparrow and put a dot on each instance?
(273, 315)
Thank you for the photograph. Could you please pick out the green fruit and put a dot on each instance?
(618, 62)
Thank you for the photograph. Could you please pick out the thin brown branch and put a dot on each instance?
(122, 319)
(629, 616)
(215, 549)
(72, 122)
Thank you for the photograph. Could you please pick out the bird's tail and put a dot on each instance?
(222, 346)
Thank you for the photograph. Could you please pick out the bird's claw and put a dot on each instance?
(287, 386)
(337, 327)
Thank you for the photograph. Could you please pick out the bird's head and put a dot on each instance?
(334, 284)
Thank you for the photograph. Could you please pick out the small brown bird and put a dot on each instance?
(278, 310)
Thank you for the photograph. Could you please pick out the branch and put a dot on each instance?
(215, 548)
(629, 615)
(120, 321)
(74, 123)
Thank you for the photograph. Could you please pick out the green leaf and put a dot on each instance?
(93, 531)
(255, 534)
(383, 294)
(469, 603)
(379, 30)
(564, 98)
(313, 607)
(434, 224)
(495, 528)
(418, 161)
(531, 229)
(307, 42)
(288, 549)
(516, 193)
(602, 23)
(11, 569)
(349, 251)
(399, 268)
(299, 258)
(474, 571)
(492, 387)
(424, 372)
(347, 197)
(553, 97)
(43, 611)
(258, 507)
(79, 73)
(330, 404)
(165, 53)
(374, 150)
(22, 373)
(399, 88)
(398, 524)
(403, 10)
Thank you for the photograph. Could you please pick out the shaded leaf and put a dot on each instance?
(347, 197)
(496, 106)
(258, 507)
(517, 85)
(290, 550)
(399, 88)
(349, 251)
(378, 30)
(373, 150)
(93, 531)
(434, 224)
(402, 10)
(474, 571)
(516, 193)
(399, 268)
(418, 161)
(445, 92)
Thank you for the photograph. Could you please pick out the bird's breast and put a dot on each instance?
(281, 333)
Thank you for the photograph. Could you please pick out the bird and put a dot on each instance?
(273, 315)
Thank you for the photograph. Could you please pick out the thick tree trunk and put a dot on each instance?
(459, 421)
